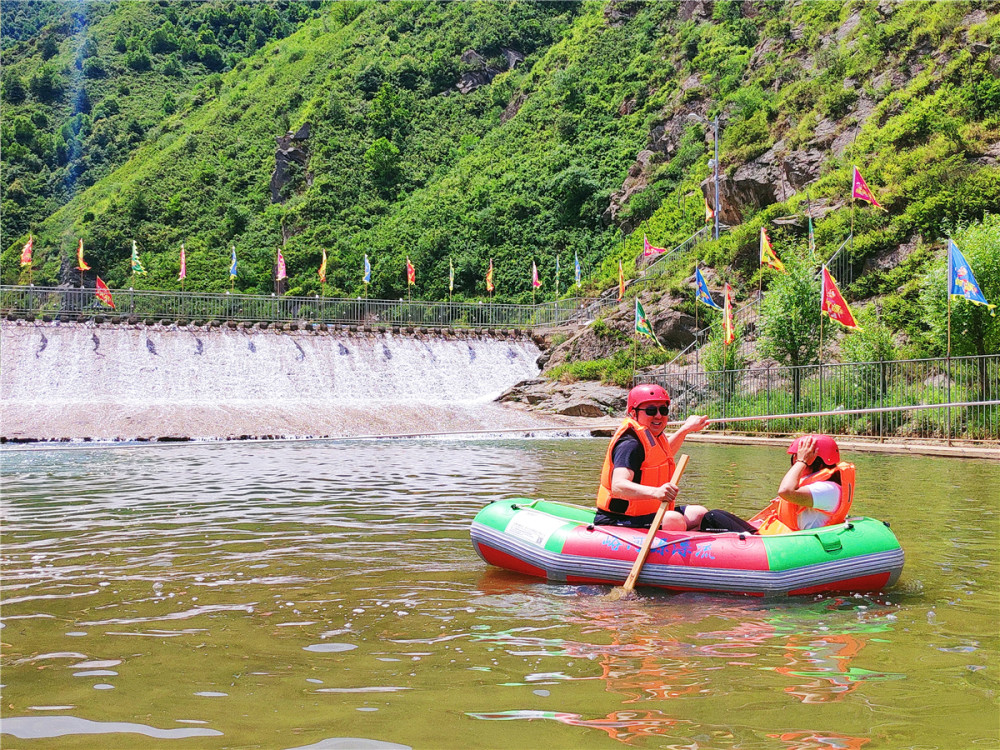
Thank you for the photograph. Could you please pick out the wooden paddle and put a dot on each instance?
(629, 585)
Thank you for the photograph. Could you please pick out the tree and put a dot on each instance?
(46, 84)
(382, 163)
(790, 319)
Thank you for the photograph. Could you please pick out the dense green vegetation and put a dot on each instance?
(178, 138)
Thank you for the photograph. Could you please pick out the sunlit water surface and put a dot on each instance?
(326, 595)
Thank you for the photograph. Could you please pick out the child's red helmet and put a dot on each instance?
(646, 392)
(826, 448)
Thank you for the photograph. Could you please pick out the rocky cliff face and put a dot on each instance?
(291, 163)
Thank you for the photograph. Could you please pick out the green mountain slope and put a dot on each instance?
(581, 128)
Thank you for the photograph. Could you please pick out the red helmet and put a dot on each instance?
(826, 448)
(646, 392)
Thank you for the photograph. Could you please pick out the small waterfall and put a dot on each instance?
(122, 382)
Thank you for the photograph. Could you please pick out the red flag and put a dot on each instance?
(621, 282)
(411, 272)
(727, 317)
(26, 251)
(489, 277)
(81, 264)
(535, 281)
(833, 304)
(104, 294)
(767, 255)
(648, 250)
(709, 212)
(861, 191)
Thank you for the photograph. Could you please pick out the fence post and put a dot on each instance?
(948, 395)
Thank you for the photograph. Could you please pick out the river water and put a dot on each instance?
(326, 595)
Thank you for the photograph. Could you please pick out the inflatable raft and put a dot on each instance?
(560, 543)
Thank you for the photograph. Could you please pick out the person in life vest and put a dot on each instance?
(817, 490)
(639, 465)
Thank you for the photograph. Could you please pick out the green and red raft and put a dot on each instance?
(560, 542)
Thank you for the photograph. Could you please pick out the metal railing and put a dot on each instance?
(911, 399)
(75, 303)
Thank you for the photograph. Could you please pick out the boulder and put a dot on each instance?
(585, 398)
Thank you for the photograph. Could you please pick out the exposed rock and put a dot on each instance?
(292, 147)
(802, 167)
(619, 12)
(580, 399)
(891, 257)
(483, 74)
(513, 57)
(627, 107)
(697, 9)
(513, 107)
(663, 139)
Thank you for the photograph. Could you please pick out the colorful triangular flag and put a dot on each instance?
(833, 304)
(642, 324)
(26, 251)
(650, 250)
(576, 267)
(232, 265)
(368, 271)
(322, 268)
(136, 264)
(183, 272)
(861, 191)
(104, 294)
(81, 264)
(702, 293)
(727, 317)
(621, 282)
(282, 273)
(535, 281)
(961, 282)
(767, 256)
(411, 272)
(489, 277)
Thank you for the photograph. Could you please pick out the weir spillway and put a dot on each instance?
(123, 382)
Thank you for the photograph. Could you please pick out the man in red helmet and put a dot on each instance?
(639, 465)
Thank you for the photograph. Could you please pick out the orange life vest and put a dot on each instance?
(781, 516)
(657, 469)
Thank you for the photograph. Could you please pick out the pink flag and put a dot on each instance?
(861, 191)
(648, 250)
(26, 251)
(534, 275)
(281, 266)
(183, 274)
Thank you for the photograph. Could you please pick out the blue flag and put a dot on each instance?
(368, 270)
(576, 268)
(961, 282)
(702, 291)
(232, 268)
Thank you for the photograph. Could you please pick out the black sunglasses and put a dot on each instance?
(651, 410)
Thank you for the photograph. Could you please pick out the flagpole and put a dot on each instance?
(947, 360)
(716, 170)
(821, 366)
(696, 264)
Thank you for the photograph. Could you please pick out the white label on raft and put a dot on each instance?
(534, 527)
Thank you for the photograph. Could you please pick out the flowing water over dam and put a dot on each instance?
(121, 382)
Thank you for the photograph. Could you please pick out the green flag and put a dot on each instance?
(642, 323)
(136, 265)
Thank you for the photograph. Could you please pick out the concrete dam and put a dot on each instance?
(106, 381)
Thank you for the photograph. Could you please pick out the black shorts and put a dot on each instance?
(604, 518)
